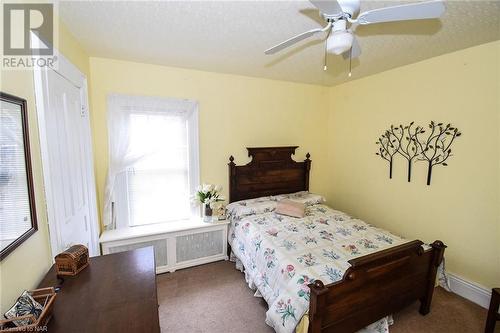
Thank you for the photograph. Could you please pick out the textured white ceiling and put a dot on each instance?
(231, 36)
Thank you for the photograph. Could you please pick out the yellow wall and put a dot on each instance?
(461, 206)
(24, 268)
(234, 111)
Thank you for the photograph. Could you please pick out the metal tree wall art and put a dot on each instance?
(436, 148)
(387, 149)
(407, 141)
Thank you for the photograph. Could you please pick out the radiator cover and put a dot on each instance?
(195, 246)
(160, 249)
(177, 249)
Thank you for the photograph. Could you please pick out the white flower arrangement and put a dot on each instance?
(208, 194)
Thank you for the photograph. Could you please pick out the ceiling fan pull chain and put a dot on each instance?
(325, 67)
(350, 62)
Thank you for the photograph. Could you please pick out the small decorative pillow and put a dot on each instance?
(25, 305)
(291, 208)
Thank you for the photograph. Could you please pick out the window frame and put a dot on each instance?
(121, 205)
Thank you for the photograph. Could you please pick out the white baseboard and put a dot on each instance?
(469, 290)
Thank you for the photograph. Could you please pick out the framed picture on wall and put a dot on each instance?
(17, 201)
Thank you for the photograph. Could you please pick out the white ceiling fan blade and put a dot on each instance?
(328, 7)
(291, 41)
(413, 11)
(355, 50)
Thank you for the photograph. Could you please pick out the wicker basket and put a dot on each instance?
(72, 261)
(43, 296)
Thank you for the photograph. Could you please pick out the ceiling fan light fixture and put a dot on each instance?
(339, 42)
(338, 13)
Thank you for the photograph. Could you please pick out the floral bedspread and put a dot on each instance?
(282, 255)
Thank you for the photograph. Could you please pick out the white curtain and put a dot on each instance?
(122, 153)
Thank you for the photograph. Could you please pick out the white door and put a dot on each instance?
(65, 137)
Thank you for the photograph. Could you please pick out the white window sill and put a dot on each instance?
(156, 229)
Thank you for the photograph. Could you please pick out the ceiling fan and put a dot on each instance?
(342, 17)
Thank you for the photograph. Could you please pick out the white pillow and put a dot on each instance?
(304, 197)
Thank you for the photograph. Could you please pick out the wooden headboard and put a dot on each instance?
(270, 172)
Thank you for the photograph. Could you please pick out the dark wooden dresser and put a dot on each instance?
(116, 293)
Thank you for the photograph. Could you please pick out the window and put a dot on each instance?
(160, 172)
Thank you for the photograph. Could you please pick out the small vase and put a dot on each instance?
(207, 214)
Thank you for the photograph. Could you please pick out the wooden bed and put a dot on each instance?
(376, 285)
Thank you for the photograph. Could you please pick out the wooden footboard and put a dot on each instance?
(376, 285)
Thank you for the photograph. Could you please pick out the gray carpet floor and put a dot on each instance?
(214, 298)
